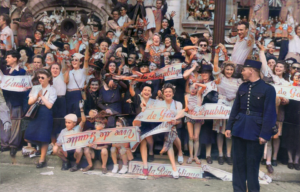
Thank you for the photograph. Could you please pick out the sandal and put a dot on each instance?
(197, 161)
(190, 160)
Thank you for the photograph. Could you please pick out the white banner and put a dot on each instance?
(209, 111)
(161, 128)
(156, 169)
(156, 115)
(105, 136)
(19, 83)
(289, 92)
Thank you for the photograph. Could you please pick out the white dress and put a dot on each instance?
(148, 4)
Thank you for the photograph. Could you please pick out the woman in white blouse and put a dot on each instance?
(59, 107)
(40, 128)
(279, 77)
(75, 80)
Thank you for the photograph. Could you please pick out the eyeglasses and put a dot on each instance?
(39, 77)
(296, 68)
(203, 45)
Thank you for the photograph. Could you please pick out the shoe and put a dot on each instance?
(104, 170)
(270, 168)
(180, 159)
(150, 158)
(209, 160)
(74, 168)
(221, 160)
(41, 165)
(175, 174)
(145, 172)
(297, 166)
(4, 149)
(229, 160)
(13, 151)
(290, 165)
(124, 169)
(38, 153)
(65, 165)
(274, 163)
(198, 162)
(263, 162)
(115, 169)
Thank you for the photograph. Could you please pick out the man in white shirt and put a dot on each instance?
(6, 34)
(243, 46)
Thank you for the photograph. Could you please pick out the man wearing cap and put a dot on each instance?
(243, 46)
(251, 124)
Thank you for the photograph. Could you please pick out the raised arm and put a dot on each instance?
(200, 91)
(83, 118)
(131, 88)
(187, 73)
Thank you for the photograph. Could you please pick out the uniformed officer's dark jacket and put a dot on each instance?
(253, 114)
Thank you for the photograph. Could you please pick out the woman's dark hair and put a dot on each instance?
(57, 65)
(186, 34)
(285, 74)
(168, 85)
(203, 40)
(39, 57)
(107, 67)
(42, 33)
(47, 73)
(40, 23)
(93, 80)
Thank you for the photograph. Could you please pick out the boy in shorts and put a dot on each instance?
(71, 128)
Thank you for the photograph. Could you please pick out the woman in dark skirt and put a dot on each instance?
(140, 102)
(40, 128)
(210, 95)
(59, 108)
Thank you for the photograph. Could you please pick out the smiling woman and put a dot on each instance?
(39, 129)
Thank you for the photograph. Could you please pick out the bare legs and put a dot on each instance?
(194, 131)
(150, 144)
(143, 149)
(44, 150)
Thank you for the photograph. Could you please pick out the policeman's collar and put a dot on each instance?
(255, 82)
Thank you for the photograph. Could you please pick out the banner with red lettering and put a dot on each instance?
(161, 128)
(15, 83)
(209, 111)
(105, 136)
(156, 115)
(288, 92)
(156, 169)
(168, 73)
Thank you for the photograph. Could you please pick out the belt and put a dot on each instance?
(73, 90)
(148, 7)
(251, 113)
(59, 96)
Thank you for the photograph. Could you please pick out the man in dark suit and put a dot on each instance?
(251, 123)
(16, 101)
(25, 23)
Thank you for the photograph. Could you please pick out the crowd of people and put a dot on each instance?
(86, 80)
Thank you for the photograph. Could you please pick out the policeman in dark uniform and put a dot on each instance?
(251, 123)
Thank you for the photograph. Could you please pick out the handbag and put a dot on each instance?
(33, 109)
(83, 95)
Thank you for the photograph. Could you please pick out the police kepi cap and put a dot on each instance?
(253, 64)
(71, 117)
